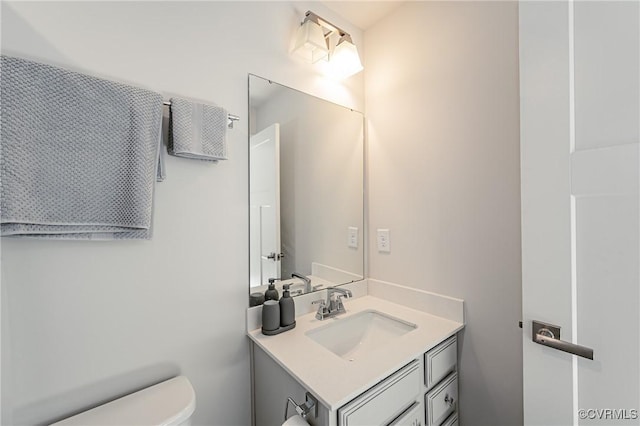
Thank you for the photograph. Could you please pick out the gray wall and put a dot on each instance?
(442, 102)
(84, 322)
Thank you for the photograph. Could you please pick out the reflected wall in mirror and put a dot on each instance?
(306, 186)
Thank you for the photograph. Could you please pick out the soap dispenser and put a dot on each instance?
(287, 308)
(272, 293)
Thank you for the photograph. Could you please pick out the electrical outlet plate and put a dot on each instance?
(384, 243)
(352, 239)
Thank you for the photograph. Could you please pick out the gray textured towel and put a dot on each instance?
(79, 154)
(197, 131)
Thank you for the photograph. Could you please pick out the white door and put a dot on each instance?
(580, 91)
(264, 201)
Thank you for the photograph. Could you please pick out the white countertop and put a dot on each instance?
(336, 381)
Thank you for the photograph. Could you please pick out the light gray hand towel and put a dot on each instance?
(79, 154)
(197, 130)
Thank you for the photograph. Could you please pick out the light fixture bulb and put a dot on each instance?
(310, 42)
(345, 60)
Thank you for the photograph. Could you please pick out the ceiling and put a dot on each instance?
(363, 14)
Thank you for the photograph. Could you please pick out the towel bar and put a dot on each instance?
(232, 118)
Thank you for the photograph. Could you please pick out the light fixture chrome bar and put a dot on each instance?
(315, 41)
(326, 24)
(231, 117)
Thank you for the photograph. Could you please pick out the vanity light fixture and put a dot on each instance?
(310, 39)
(345, 60)
(315, 40)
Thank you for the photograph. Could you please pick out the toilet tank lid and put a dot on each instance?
(166, 404)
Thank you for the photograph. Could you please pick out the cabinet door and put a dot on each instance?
(385, 401)
(411, 417)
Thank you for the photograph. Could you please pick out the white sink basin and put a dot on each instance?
(352, 337)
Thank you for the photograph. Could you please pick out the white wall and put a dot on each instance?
(84, 322)
(442, 102)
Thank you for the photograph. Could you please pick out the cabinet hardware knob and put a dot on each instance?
(449, 400)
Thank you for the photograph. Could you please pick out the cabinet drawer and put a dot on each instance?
(440, 361)
(442, 400)
(385, 401)
(452, 420)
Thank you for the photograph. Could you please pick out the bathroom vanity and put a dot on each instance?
(380, 363)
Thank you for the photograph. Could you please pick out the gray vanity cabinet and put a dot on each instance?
(396, 400)
(272, 385)
(441, 381)
(423, 392)
(383, 403)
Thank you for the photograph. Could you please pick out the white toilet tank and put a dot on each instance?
(170, 403)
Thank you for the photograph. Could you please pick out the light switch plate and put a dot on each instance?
(384, 243)
(352, 237)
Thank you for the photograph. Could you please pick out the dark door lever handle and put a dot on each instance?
(549, 335)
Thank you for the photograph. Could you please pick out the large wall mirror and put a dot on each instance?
(306, 174)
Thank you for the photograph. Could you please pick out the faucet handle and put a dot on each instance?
(322, 309)
(340, 303)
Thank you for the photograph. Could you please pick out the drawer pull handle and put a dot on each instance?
(449, 400)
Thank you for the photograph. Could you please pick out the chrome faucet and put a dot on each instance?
(333, 305)
(307, 281)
